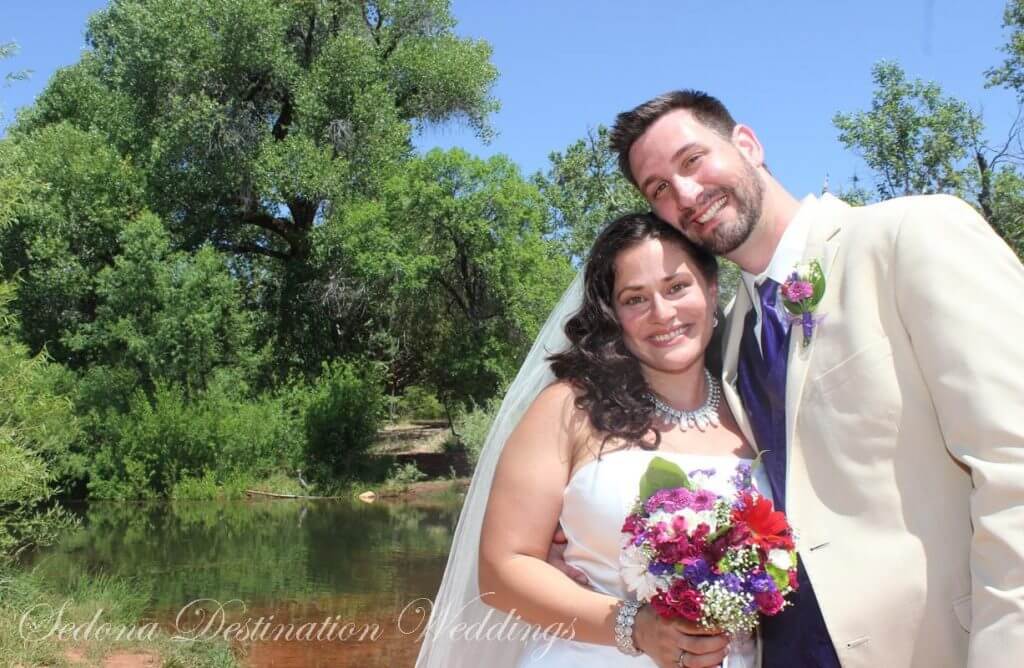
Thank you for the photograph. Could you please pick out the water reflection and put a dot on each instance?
(290, 563)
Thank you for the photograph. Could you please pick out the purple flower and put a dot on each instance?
(731, 582)
(669, 500)
(697, 572)
(761, 583)
(660, 568)
(742, 478)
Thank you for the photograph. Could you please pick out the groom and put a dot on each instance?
(893, 431)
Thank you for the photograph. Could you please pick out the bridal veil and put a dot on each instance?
(462, 631)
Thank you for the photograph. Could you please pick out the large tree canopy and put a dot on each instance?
(244, 125)
(457, 250)
(251, 118)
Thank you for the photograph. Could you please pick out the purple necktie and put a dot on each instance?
(774, 330)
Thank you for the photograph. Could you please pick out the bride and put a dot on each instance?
(631, 371)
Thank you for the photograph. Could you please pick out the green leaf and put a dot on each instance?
(817, 277)
(662, 474)
(779, 576)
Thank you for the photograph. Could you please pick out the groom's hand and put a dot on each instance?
(556, 557)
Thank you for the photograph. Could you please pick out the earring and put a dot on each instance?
(715, 322)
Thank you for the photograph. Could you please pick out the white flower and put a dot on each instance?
(695, 518)
(660, 516)
(634, 562)
(780, 559)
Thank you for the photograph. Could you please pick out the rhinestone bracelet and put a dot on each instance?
(624, 627)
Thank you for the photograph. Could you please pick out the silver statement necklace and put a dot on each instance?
(701, 418)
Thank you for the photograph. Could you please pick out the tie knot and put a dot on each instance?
(769, 292)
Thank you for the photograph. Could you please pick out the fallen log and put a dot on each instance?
(273, 495)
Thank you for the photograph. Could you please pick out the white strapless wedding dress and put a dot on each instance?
(596, 501)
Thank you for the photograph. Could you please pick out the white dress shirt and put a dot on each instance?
(788, 254)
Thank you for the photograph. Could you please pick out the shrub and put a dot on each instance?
(473, 425)
(419, 403)
(402, 476)
(344, 411)
(37, 430)
(168, 438)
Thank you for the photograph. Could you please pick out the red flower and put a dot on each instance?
(769, 602)
(767, 527)
(685, 600)
(680, 601)
(689, 606)
(634, 524)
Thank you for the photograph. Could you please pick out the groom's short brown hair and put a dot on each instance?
(630, 125)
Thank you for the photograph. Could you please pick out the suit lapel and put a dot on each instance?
(822, 245)
(733, 335)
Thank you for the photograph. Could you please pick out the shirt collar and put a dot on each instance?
(790, 250)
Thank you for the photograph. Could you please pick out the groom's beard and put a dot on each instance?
(746, 198)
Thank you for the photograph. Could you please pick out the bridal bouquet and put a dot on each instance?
(694, 555)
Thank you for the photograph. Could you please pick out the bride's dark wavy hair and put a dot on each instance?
(597, 362)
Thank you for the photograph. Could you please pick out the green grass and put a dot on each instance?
(123, 602)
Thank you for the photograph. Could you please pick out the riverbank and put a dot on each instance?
(96, 621)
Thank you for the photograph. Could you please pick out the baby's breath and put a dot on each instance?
(733, 612)
(742, 560)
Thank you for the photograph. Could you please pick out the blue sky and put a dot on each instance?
(782, 67)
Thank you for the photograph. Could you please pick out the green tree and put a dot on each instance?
(914, 138)
(1010, 74)
(254, 121)
(167, 315)
(37, 425)
(584, 189)
(344, 410)
(250, 117)
(37, 430)
(917, 140)
(75, 195)
(457, 244)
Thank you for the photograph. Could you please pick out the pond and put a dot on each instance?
(307, 583)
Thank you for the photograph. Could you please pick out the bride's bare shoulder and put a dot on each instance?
(559, 397)
(557, 404)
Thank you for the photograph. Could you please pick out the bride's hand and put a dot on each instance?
(677, 643)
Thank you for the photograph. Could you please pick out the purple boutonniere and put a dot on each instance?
(800, 295)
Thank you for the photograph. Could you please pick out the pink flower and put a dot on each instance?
(703, 500)
(669, 500)
(634, 524)
(688, 602)
(795, 291)
(769, 602)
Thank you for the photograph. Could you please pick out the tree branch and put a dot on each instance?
(455, 296)
(307, 55)
(985, 196)
(285, 119)
(253, 249)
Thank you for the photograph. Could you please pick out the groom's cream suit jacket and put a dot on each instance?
(905, 435)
